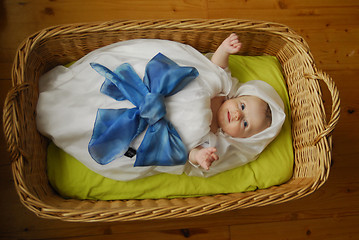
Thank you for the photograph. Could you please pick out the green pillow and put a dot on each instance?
(72, 179)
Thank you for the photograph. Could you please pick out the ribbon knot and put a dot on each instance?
(153, 108)
(115, 129)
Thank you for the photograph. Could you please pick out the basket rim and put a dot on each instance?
(148, 24)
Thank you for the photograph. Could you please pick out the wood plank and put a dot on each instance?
(340, 228)
(342, 202)
(213, 233)
(5, 69)
(44, 13)
(106, 233)
(275, 4)
(338, 44)
(5, 85)
(293, 13)
(40, 14)
(347, 128)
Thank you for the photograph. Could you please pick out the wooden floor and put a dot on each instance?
(330, 27)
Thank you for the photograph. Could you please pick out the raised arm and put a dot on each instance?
(230, 45)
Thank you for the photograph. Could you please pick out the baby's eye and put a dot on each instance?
(245, 123)
(243, 106)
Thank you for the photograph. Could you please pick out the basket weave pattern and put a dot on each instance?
(62, 44)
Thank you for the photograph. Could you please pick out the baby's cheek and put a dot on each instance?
(237, 130)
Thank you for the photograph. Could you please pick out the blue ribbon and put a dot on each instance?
(115, 129)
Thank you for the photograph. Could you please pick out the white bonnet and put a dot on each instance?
(255, 144)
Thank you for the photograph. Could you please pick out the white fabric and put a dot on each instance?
(70, 97)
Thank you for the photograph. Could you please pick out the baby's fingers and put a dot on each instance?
(233, 36)
(214, 157)
(211, 158)
(211, 150)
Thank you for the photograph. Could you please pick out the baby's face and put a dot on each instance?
(243, 116)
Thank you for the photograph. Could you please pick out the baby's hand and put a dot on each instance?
(231, 44)
(206, 156)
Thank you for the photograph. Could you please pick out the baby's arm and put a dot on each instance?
(206, 156)
(203, 156)
(230, 45)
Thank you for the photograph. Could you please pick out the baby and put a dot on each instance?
(223, 124)
(239, 117)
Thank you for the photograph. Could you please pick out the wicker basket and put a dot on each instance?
(62, 44)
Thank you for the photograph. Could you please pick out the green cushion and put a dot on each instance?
(273, 167)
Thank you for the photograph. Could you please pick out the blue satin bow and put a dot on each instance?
(115, 129)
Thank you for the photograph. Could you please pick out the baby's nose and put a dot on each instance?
(237, 115)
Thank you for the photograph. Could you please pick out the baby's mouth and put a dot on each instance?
(229, 116)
